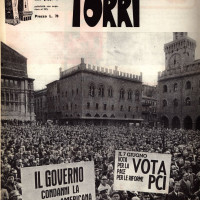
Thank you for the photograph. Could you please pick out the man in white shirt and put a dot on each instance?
(103, 185)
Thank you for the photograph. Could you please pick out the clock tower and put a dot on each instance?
(179, 52)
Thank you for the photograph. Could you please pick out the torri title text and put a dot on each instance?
(94, 10)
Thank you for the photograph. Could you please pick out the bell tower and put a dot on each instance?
(179, 52)
(179, 35)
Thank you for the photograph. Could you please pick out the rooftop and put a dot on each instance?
(101, 71)
(192, 68)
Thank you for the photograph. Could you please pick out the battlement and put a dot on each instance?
(179, 43)
(185, 70)
(100, 70)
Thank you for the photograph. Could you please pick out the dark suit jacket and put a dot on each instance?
(184, 189)
(173, 196)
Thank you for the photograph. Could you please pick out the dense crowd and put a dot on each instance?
(31, 145)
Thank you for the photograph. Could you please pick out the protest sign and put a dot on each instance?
(141, 171)
(72, 181)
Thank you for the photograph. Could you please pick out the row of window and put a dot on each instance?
(149, 102)
(101, 92)
(175, 102)
(7, 82)
(14, 83)
(188, 86)
(72, 92)
(11, 106)
(38, 103)
(9, 96)
(105, 107)
(148, 109)
(63, 94)
(97, 115)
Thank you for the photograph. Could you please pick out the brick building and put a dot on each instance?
(149, 105)
(179, 84)
(95, 94)
(17, 100)
(40, 105)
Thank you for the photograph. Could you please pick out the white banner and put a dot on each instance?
(73, 181)
(141, 171)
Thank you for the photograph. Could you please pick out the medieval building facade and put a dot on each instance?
(40, 105)
(17, 100)
(90, 93)
(179, 84)
(149, 105)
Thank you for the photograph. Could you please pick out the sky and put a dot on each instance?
(51, 43)
(131, 52)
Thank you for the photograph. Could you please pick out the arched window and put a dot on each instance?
(88, 105)
(175, 87)
(91, 90)
(11, 96)
(121, 94)
(175, 102)
(112, 116)
(110, 92)
(88, 115)
(137, 95)
(187, 101)
(97, 115)
(7, 97)
(164, 103)
(129, 95)
(164, 88)
(188, 85)
(2, 96)
(101, 91)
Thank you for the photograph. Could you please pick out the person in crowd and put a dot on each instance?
(115, 196)
(104, 185)
(185, 185)
(104, 194)
(176, 194)
(196, 188)
(15, 195)
(135, 198)
(146, 196)
(4, 192)
(25, 145)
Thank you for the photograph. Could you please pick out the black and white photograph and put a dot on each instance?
(99, 114)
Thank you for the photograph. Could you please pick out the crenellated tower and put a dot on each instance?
(179, 52)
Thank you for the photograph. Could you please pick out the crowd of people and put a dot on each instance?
(31, 145)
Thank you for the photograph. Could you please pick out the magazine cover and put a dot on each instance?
(100, 99)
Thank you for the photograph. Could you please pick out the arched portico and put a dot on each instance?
(165, 122)
(198, 123)
(187, 123)
(176, 123)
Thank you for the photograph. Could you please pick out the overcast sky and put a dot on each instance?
(131, 52)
